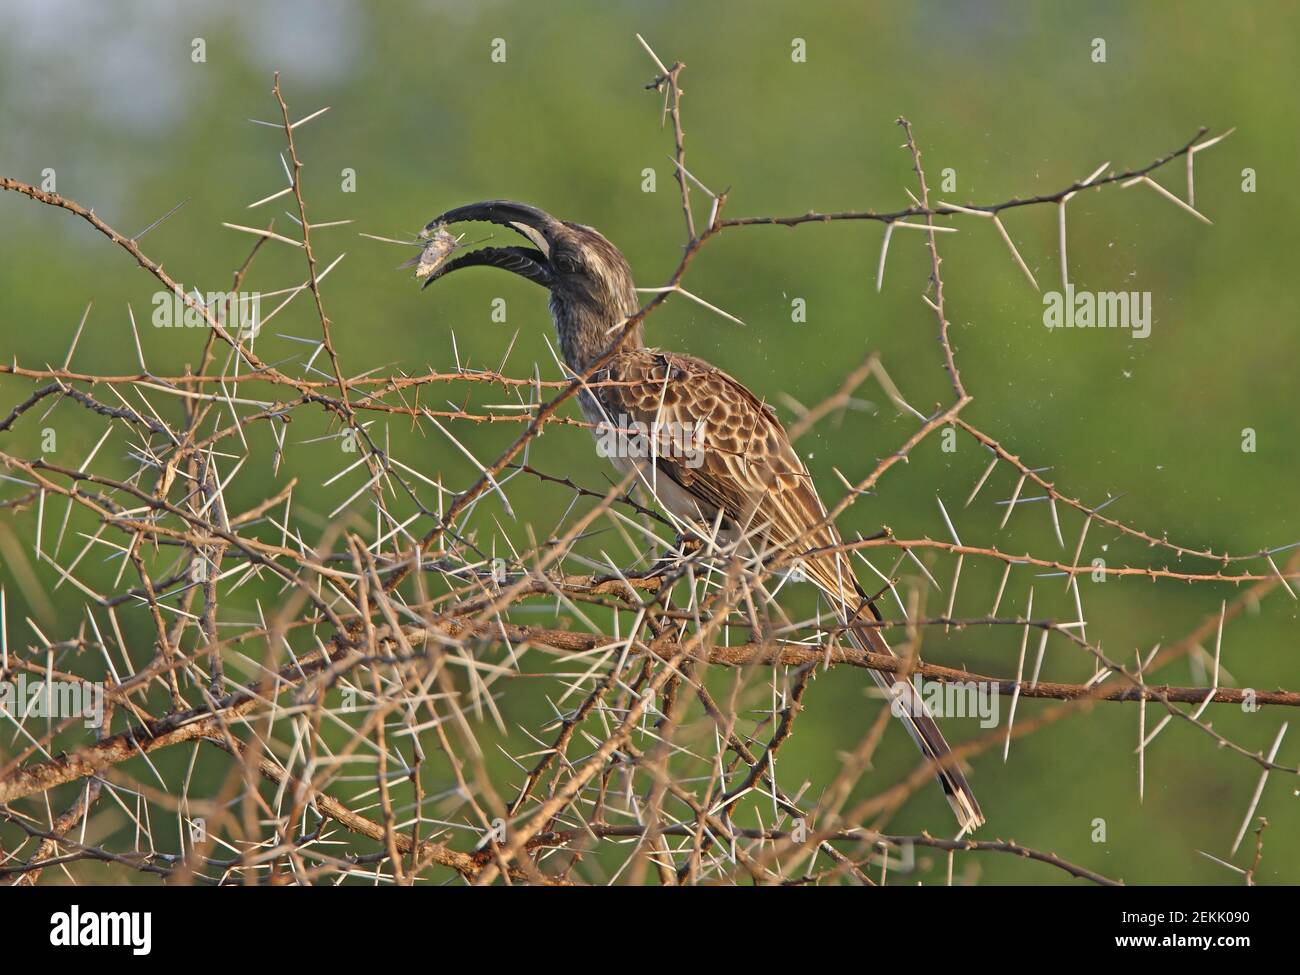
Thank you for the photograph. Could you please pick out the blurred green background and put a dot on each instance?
(1005, 94)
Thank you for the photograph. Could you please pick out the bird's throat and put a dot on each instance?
(586, 329)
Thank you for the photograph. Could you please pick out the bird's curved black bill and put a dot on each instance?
(534, 225)
(504, 212)
(527, 262)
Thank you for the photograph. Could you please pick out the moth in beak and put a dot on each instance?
(440, 244)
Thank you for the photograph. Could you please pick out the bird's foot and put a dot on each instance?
(684, 547)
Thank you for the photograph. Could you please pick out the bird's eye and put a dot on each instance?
(567, 262)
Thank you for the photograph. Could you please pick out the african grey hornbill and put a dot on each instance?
(744, 476)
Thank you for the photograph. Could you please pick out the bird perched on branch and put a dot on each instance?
(741, 476)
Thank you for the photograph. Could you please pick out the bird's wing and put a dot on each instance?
(742, 464)
(746, 468)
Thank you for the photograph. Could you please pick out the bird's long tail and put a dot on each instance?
(911, 709)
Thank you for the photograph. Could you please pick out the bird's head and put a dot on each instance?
(590, 282)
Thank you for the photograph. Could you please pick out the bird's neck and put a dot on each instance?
(586, 328)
